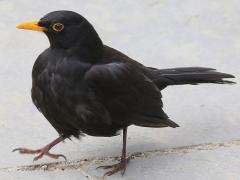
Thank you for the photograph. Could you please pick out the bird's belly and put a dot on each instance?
(55, 112)
(64, 119)
(101, 130)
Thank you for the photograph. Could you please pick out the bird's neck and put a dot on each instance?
(88, 49)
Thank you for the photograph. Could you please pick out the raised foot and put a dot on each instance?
(121, 166)
(41, 152)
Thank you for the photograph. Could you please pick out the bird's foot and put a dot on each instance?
(121, 166)
(41, 152)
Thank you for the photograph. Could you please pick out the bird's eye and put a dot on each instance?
(58, 27)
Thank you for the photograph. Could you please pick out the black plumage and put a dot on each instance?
(83, 87)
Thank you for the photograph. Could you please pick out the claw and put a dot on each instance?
(26, 151)
(56, 156)
(38, 157)
(121, 166)
(42, 152)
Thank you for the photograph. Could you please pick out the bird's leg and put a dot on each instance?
(121, 166)
(43, 151)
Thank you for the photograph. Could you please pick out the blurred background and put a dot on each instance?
(157, 33)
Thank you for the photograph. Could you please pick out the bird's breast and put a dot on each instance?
(57, 87)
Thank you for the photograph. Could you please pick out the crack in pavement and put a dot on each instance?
(83, 165)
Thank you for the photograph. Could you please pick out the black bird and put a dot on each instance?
(82, 86)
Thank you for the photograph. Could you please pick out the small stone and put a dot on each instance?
(44, 167)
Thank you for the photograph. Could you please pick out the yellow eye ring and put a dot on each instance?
(58, 27)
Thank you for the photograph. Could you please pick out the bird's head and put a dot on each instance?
(67, 30)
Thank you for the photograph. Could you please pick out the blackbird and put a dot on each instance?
(82, 86)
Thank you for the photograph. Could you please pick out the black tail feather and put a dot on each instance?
(188, 75)
(151, 121)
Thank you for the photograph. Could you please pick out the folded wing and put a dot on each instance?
(129, 96)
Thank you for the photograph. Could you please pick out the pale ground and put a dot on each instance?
(160, 33)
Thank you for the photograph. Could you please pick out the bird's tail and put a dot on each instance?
(188, 75)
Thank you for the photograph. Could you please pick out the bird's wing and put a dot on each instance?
(128, 95)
